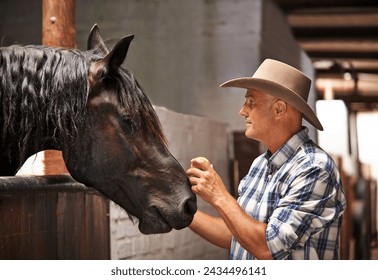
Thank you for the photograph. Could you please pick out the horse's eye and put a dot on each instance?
(127, 121)
(128, 125)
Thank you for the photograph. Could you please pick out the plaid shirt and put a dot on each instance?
(298, 192)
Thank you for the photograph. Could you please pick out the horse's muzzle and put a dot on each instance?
(162, 219)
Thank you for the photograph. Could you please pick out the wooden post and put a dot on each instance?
(58, 29)
(58, 23)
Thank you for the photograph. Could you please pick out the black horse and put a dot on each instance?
(86, 104)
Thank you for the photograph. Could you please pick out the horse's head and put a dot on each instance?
(121, 151)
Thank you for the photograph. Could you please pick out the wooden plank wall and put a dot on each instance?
(63, 220)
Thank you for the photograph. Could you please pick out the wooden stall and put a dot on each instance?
(52, 217)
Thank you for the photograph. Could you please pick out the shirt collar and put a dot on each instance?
(287, 150)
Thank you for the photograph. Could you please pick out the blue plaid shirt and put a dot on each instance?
(298, 192)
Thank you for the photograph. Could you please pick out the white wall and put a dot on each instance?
(368, 139)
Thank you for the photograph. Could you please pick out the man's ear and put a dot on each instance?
(280, 108)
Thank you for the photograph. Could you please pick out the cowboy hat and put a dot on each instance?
(282, 81)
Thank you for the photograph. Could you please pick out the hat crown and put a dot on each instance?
(285, 75)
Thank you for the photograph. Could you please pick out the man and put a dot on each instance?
(291, 202)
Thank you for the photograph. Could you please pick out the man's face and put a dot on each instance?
(259, 114)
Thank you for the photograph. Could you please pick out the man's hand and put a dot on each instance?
(205, 181)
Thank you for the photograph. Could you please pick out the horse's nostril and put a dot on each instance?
(190, 206)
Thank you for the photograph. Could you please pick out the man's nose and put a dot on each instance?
(243, 112)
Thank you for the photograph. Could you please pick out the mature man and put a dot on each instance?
(291, 202)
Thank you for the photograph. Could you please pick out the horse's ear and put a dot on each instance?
(111, 62)
(118, 54)
(95, 41)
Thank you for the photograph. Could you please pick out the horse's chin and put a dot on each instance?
(154, 226)
(158, 220)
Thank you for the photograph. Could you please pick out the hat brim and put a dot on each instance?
(280, 92)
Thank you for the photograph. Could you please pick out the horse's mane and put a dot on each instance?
(44, 91)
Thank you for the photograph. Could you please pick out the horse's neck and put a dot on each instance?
(27, 137)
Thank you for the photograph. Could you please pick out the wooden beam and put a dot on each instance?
(320, 72)
(58, 23)
(336, 33)
(342, 55)
(290, 5)
(58, 29)
(353, 17)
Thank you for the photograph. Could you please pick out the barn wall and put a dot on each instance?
(183, 50)
(278, 42)
(21, 22)
(188, 136)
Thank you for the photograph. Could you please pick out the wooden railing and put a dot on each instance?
(52, 217)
